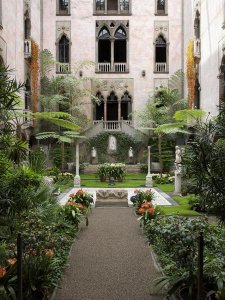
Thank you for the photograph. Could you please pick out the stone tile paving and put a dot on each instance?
(160, 198)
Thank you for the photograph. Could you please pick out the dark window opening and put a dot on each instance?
(126, 107)
(120, 51)
(222, 82)
(161, 6)
(197, 25)
(27, 28)
(98, 113)
(112, 107)
(112, 4)
(104, 51)
(64, 5)
(197, 95)
(64, 50)
(160, 50)
(104, 46)
(124, 5)
(100, 5)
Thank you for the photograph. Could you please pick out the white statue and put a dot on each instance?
(93, 152)
(178, 158)
(112, 143)
(130, 153)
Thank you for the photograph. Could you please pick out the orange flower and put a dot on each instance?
(70, 202)
(49, 252)
(141, 210)
(2, 271)
(12, 261)
(146, 204)
(80, 206)
(80, 192)
(71, 195)
(151, 210)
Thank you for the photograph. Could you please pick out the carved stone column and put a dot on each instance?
(149, 176)
(77, 177)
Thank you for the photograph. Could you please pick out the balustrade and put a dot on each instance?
(160, 67)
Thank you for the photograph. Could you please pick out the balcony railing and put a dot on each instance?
(112, 125)
(27, 48)
(108, 67)
(197, 48)
(160, 67)
(63, 68)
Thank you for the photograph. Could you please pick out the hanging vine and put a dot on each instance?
(34, 75)
(191, 74)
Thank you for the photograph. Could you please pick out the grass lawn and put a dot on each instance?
(183, 209)
(165, 187)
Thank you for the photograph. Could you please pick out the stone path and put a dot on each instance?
(110, 260)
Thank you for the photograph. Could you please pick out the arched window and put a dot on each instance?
(197, 25)
(112, 47)
(112, 107)
(120, 49)
(64, 51)
(161, 7)
(126, 106)
(27, 28)
(104, 46)
(98, 112)
(160, 55)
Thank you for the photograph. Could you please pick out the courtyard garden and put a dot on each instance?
(37, 232)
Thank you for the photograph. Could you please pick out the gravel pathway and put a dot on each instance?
(110, 260)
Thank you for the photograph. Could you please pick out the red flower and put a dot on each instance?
(80, 192)
(2, 271)
(151, 210)
(141, 210)
(71, 195)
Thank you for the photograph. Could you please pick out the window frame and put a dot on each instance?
(119, 10)
(62, 12)
(161, 12)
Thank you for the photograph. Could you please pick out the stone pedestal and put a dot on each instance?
(77, 181)
(177, 183)
(77, 177)
(148, 181)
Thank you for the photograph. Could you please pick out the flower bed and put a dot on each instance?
(144, 207)
(117, 171)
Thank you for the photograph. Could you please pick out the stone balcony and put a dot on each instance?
(112, 68)
(161, 68)
(62, 68)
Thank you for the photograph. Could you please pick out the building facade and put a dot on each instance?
(135, 47)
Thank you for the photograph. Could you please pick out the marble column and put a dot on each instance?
(77, 177)
(149, 176)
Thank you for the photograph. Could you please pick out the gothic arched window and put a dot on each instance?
(64, 51)
(104, 46)
(161, 54)
(63, 7)
(126, 106)
(120, 49)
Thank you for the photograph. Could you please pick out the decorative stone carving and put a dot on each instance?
(111, 194)
(161, 27)
(112, 146)
(119, 86)
(112, 29)
(63, 27)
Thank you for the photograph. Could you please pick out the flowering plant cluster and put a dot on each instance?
(117, 171)
(77, 206)
(142, 202)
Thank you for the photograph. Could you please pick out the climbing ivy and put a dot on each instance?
(124, 142)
